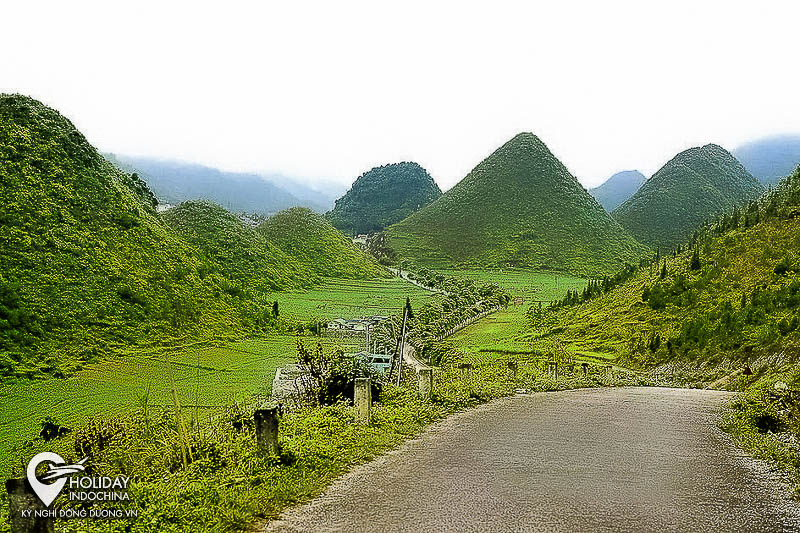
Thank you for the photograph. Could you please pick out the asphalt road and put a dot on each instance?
(631, 459)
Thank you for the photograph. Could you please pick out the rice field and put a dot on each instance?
(339, 298)
(506, 330)
(205, 377)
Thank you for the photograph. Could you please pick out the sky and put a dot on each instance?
(327, 90)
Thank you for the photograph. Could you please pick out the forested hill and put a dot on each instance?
(243, 254)
(383, 196)
(314, 243)
(734, 296)
(618, 188)
(694, 187)
(520, 206)
(86, 266)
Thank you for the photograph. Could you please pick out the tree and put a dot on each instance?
(695, 264)
(664, 270)
(275, 309)
(409, 311)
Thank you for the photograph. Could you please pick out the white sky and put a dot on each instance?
(330, 89)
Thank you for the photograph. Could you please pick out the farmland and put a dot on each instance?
(505, 330)
(205, 377)
(336, 298)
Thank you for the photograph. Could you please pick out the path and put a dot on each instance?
(600, 460)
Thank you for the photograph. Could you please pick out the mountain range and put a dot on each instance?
(771, 158)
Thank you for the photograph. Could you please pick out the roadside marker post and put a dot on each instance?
(266, 422)
(425, 382)
(362, 398)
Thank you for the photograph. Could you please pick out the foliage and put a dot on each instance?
(243, 254)
(519, 207)
(312, 241)
(694, 187)
(383, 196)
(87, 267)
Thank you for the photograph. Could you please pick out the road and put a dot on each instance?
(629, 459)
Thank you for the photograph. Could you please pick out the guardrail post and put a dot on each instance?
(362, 398)
(425, 380)
(266, 422)
(21, 497)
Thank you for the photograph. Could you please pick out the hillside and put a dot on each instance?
(312, 241)
(694, 187)
(243, 254)
(519, 207)
(383, 196)
(740, 302)
(86, 266)
(174, 182)
(618, 188)
(771, 158)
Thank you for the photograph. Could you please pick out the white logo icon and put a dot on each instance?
(48, 492)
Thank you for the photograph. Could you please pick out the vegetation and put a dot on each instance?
(243, 255)
(519, 207)
(693, 188)
(311, 240)
(383, 196)
(86, 266)
(729, 298)
(617, 189)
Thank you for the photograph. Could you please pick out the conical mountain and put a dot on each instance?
(694, 187)
(314, 243)
(383, 196)
(243, 254)
(519, 207)
(85, 263)
(618, 188)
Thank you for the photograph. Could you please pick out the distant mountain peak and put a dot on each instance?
(618, 188)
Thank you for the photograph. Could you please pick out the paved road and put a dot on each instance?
(631, 459)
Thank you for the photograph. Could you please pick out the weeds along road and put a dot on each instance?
(630, 459)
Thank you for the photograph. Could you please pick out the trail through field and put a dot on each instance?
(600, 460)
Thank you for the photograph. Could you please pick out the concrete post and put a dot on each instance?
(362, 398)
(21, 497)
(425, 380)
(585, 369)
(266, 422)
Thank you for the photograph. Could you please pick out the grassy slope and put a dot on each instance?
(519, 207)
(312, 241)
(383, 196)
(243, 254)
(85, 264)
(691, 189)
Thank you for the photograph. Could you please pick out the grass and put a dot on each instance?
(505, 330)
(336, 298)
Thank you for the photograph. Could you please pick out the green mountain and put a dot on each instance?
(86, 266)
(383, 196)
(312, 241)
(734, 295)
(691, 189)
(618, 188)
(771, 158)
(242, 253)
(519, 207)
